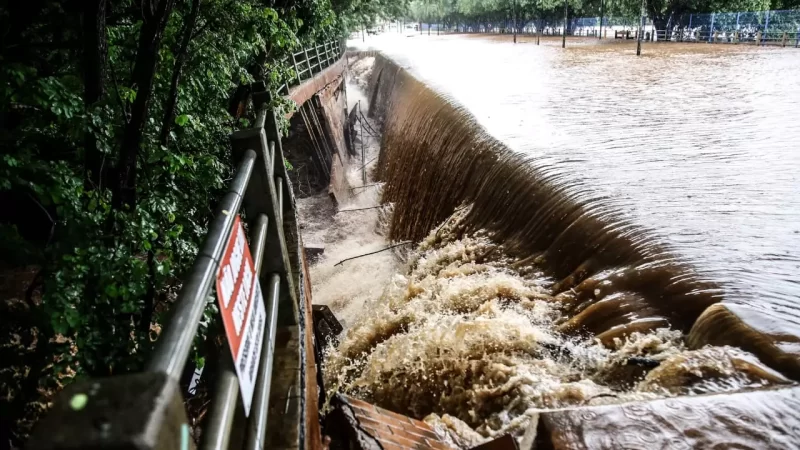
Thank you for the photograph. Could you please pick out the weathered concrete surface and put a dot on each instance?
(304, 91)
(759, 419)
(331, 105)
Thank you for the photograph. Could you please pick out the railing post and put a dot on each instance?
(296, 71)
(711, 30)
(142, 411)
(319, 61)
(308, 64)
(261, 197)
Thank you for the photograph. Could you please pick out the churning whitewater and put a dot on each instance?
(469, 340)
(520, 295)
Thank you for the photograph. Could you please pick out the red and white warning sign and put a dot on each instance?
(242, 306)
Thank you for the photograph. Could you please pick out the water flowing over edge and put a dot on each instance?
(509, 221)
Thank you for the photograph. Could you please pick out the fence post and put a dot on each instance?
(766, 27)
(783, 43)
(711, 30)
(308, 64)
(296, 71)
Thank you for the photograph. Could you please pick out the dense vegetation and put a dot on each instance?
(114, 122)
(664, 13)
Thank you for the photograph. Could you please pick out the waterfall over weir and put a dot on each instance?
(527, 292)
(436, 157)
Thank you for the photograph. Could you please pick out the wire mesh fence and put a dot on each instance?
(779, 26)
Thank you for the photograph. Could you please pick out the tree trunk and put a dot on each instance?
(95, 52)
(180, 61)
(155, 18)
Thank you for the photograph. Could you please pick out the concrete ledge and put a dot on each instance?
(757, 419)
(301, 93)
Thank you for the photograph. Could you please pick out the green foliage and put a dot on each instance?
(108, 275)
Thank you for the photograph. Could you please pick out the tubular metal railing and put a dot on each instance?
(310, 61)
(116, 413)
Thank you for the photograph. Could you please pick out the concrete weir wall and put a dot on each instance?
(316, 146)
(332, 102)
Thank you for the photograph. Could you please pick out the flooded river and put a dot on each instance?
(699, 143)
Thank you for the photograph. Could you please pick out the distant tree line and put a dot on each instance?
(663, 13)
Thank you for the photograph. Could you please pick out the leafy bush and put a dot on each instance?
(115, 127)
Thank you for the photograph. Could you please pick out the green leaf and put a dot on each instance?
(111, 290)
(182, 120)
(73, 317)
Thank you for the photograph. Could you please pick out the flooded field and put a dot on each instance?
(697, 142)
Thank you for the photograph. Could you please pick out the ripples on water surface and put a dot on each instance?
(698, 142)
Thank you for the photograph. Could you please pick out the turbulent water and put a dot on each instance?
(471, 340)
(697, 142)
(533, 288)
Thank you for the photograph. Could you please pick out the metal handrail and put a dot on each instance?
(175, 343)
(259, 187)
(312, 61)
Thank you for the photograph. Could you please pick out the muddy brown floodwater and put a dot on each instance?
(577, 215)
(699, 143)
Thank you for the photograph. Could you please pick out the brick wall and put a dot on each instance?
(371, 427)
